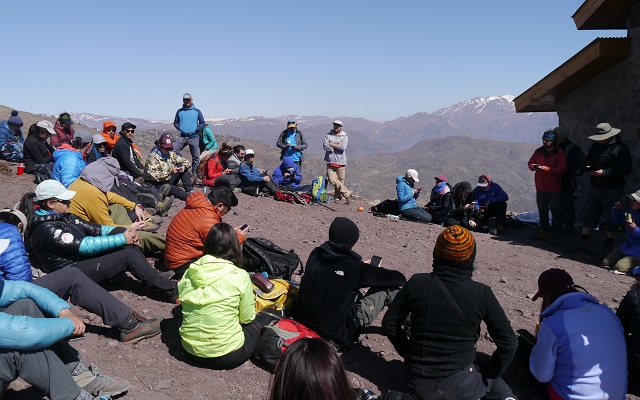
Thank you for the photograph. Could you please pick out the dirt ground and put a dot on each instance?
(157, 368)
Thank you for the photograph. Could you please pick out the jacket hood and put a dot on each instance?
(102, 173)
(336, 252)
(106, 126)
(569, 301)
(403, 179)
(199, 200)
(64, 149)
(209, 269)
(287, 163)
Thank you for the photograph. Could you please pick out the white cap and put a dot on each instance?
(186, 96)
(98, 138)
(337, 122)
(46, 125)
(249, 151)
(413, 174)
(52, 189)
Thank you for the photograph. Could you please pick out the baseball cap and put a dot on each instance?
(126, 126)
(83, 134)
(166, 142)
(291, 124)
(413, 174)
(249, 152)
(186, 96)
(483, 181)
(551, 280)
(46, 125)
(337, 122)
(97, 139)
(52, 189)
(441, 177)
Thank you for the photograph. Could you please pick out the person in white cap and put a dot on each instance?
(190, 122)
(254, 180)
(36, 149)
(407, 196)
(608, 162)
(335, 144)
(98, 150)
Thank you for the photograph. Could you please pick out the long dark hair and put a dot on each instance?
(225, 150)
(34, 129)
(222, 242)
(27, 206)
(310, 369)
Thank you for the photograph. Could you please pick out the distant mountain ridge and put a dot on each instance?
(492, 118)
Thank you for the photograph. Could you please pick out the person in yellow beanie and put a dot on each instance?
(446, 308)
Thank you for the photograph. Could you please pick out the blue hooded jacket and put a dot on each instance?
(406, 197)
(631, 246)
(7, 134)
(14, 261)
(188, 121)
(68, 164)
(278, 174)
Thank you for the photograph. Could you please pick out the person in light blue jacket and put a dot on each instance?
(32, 345)
(580, 349)
(407, 195)
(189, 121)
(69, 160)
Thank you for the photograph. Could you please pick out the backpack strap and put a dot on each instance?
(454, 304)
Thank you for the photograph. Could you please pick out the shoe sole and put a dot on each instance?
(136, 340)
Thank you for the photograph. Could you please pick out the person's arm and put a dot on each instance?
(14, 261)
(405, 193)
(201, 122)
(542, 362)
(276, 176)
(326, 143)
(176, 120)
(532, 161)
(177, 158)
(210, 142)
(280, 142)
(573, 158)
(121, 152)
(344, 142)
(298, 177)
(252, 175)
(623, 165)
(625, 311)
(371, 276)
(302, 144)
(502, 335)
(395, 316)
(560, 166)
(213, 170)
(247, 306)
(497, 194)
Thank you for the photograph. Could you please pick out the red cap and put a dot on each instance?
(441, 177)
(166, 142)
(553, 279)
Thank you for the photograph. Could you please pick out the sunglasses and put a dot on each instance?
(101, 144)
(111, 129)
(249, 156)
(65, 202)
(130, 130)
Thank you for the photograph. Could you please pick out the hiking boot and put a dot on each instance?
(147, 200)
(163, 190)
(162, 207)
(149, 226)
(136, 328)
(581, 245)
(150, 211)
(92, 381)
(540, 235)
(147, 215)
(493, 227)
(348, 200)
(167, 274)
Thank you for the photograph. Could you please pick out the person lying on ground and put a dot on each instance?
(59, 239)
(70, 159)
(407, 196)
(69, 284)
(165, 166)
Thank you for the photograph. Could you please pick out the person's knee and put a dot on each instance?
(25, 307)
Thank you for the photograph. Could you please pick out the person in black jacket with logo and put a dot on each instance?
(607, 163)
(329, 299)
(440, 352)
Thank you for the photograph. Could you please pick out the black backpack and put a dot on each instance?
(389, 206)
(262, 255)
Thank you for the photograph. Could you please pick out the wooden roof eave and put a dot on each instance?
(603, 14)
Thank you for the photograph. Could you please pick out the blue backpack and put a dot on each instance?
(318, 191)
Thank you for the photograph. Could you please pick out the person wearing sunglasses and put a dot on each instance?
(59, 239)
(291, 143)
(98, 150)
(109, 130)
(70, 159)
(623, 258)
(126, 154)
(549, 164)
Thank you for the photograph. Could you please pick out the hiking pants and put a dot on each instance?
(550, 201)
(597, 207)
(194, 147)
(130, 258)
(372, 303)
(48, 370)
(253, 190)
(620, 261)
(336, 177)
(231, 180)
(71, 284)
(416, 214)
(237, 357)
(149, 242)
(497, 210)
(467, 384)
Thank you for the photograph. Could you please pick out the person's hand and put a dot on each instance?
(286, 174)
(244, 232)
(544, 168)
(631, 225)
(267, 179)
(468, 207)
(182, 169)
(288, 145)
(139, 180)
(139, 213)
(174, 169)
(227, 171)
(131, 235)
(138, 225)
(598, 172)
(416, 190)
(486, 205)
(295, 147)
(78, 325)
(618, 205)
(472, 224)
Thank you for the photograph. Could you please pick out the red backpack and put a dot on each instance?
(277, 336)
(290, 196)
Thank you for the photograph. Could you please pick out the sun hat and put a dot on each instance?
(604, 131)
(46, 125)
(551, 280)
(52, 189)
(413, 174)
(635, 196)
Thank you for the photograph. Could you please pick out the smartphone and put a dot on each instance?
(243, 227)
(375, 261)
(536, 166)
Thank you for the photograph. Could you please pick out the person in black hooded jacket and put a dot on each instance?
(329, 299)
(36, 149)
(440, 352)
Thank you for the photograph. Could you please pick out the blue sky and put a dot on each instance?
(374, 59)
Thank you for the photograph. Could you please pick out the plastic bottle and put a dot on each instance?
(393, 217)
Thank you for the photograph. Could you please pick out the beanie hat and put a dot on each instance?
(550, 135)
(456, 247)
(344, 231)
(15, 119)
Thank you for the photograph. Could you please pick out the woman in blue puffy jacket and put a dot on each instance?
(70, 160)
(59, 239)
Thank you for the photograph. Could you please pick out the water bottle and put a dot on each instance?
(393, 217)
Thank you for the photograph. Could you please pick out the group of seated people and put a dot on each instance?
(481, 209)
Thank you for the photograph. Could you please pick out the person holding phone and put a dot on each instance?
(407, 196)
(549, 164)
(165, 166)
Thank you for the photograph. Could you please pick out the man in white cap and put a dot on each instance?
(608, 162)
(335, 144)
(190, 122)
(407, 196)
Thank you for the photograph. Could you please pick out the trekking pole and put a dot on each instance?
(522, 222)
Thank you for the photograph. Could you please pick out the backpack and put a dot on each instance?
(277, 337)
(290, 196)
(200, 172)
(319, 190)
(389, 206)
(262, 255)
(281, 297)
(41, 172)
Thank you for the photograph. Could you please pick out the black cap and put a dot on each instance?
(126, 126)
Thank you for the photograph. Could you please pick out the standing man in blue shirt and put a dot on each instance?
(292, 143)
(189, 121)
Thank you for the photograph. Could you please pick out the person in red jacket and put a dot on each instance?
(64, 131)
(217, 165)
(549, 164)
(189, 228)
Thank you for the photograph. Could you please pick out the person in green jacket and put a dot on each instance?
(220, 327)
(208, 143)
